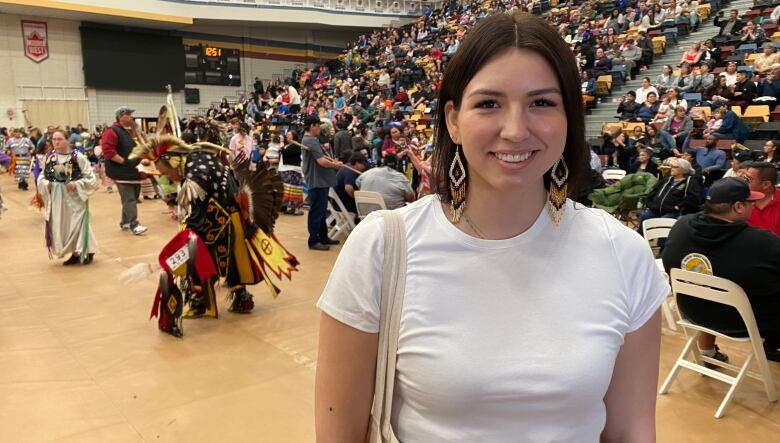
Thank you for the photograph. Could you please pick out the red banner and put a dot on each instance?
(36, 40)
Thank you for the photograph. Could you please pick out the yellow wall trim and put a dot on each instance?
(89, 9)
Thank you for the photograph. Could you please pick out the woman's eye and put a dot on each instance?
(544, 103)
(487, 104)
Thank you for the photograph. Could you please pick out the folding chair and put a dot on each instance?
(656, 229)
(341, 221)
(368, 198)
(726, 292)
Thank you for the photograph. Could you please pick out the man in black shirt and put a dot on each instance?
(346, 178)
(719, 242)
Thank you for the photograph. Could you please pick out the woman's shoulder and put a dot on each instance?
(600, 226)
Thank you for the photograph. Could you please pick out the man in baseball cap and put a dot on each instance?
(719, 242)
(123, 110)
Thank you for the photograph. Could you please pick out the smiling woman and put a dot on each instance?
(517, 323)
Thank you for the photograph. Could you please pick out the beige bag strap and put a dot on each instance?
(393, 289)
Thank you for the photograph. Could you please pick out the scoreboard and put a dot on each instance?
(212, 65)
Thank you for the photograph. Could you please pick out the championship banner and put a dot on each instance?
(36, 40)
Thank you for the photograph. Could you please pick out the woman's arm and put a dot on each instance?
(630, 399)
(344, 384)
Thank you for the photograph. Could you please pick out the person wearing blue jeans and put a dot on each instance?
(319, 169)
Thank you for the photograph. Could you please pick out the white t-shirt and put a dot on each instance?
(502, 340)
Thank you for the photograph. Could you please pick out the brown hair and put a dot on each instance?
(491, 36)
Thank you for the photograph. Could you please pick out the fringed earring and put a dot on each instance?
(557, 194)
(457, 186)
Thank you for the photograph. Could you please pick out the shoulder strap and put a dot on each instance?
(393, 289)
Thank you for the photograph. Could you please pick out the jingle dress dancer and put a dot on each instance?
(65, 185)
(227, 231)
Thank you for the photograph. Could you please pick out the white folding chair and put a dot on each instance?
(372, 200)
(613, 174)
(341, 222)
(655, 229)
(719, 290)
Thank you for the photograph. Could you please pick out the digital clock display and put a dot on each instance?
(212, 65)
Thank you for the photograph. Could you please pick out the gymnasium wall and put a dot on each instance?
(58, 77)
(268, 52)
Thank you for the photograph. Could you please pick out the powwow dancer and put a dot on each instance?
(228, 231)
(22, 149)
(65, 185)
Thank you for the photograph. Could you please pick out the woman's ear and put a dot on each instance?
(451, 117)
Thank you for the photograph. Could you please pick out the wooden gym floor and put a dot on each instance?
(80, 361)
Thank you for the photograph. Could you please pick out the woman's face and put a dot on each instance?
(679, 113)
(672, 94)
(643, 157)
(667, 70)
(395, 133)
(651, 98)
(512, 128)
(769, 147)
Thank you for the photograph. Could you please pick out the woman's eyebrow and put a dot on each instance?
(532, 93)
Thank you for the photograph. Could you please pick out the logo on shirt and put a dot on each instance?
(697, 263)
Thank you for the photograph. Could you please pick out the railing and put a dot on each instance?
(411, 8)
(40, 92)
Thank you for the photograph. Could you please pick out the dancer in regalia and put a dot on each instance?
(228, 231)
(65, 185)
(22, 149)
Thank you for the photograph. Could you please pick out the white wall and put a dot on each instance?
(60, 76)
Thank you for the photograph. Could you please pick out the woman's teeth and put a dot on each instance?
(514, 158)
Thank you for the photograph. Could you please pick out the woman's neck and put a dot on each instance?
(499, 215)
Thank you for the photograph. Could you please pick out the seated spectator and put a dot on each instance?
(666, 79)
(744, 91)
(689, 155)
(752, 34)
(768, 57)
(648, 110)
(393, 185)
(588, 84)
(662, 144)
(628, 107)
(693, 55)
(614, 140)
(770, 154)
(346, 179)
(719, 93)
(732, 250)
(679, 126)
(737, 161)
(676, 194)
(730, 74)
(762, 178)
(770, 85)
(733, 127)
(687, 80)
(602, 65)
(731, 26)
(710, 158)
(646, 88)
(706, 78)
(644, 163)
(714, 123)
(630, 57)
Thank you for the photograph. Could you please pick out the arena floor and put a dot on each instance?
(80, 361)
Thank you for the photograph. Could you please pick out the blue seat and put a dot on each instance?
(747, 68)
(693, 98)
(747, 48)
(670, 34)
(618, 75)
